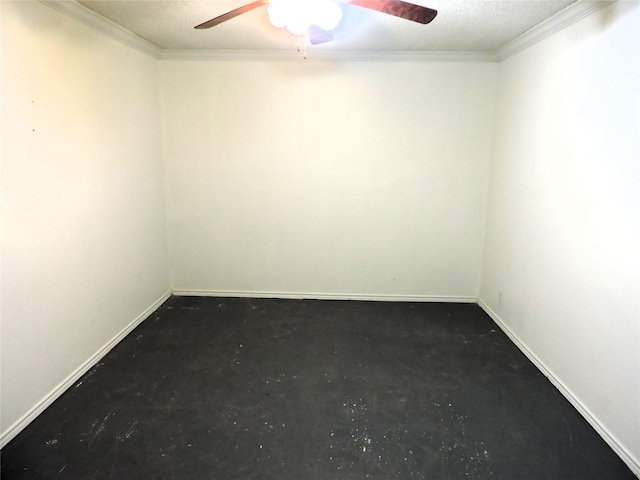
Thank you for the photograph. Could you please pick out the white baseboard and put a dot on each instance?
(37, 409)
(325, 296)
(608, 437)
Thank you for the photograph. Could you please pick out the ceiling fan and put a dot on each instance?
(318, 32)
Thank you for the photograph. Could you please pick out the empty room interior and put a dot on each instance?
(416, 244)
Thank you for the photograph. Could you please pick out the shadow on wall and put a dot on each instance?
(616, 11)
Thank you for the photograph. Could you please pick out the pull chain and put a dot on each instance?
(302, 39)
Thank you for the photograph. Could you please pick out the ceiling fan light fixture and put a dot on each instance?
(298, 15)
(329, 16)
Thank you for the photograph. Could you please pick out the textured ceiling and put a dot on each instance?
(461, 25)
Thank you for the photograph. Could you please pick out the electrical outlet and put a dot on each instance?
(500, 295)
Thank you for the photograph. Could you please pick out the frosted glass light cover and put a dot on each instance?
(328, 16)
(298, 15)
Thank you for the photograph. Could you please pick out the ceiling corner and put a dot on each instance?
(559, 21)
(103, 25)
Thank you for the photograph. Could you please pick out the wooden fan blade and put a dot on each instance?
(398, 8)
(232, 14)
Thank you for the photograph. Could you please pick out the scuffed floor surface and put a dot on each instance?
(212, 388)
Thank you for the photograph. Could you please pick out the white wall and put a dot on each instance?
(327, 179)
(83, 229)
(562, 239)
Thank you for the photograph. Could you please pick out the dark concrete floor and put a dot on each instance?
(211, 388)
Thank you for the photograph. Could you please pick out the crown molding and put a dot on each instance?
(563, 19)
(559, 21)
(331, 55)
(103, 25)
